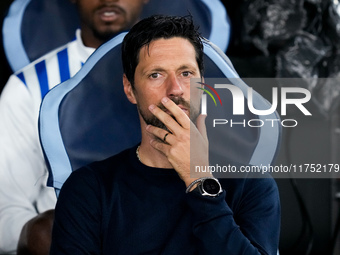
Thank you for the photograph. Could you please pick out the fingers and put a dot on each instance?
(160, 146)
(172, 124)
(178, 113)
(163, 135)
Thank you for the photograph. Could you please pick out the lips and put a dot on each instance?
(109, 13)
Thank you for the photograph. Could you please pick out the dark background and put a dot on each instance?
(309, 206)
(5, 70)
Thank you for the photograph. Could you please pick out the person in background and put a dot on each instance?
(24, 197)
(145, 200)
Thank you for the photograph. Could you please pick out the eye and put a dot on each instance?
(186, 74)
(154, 75)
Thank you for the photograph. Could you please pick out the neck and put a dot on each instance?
(90, 39)
(150, 156)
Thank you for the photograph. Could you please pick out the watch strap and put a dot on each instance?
(193, 183)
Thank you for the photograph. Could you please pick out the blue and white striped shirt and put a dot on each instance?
(23, 191)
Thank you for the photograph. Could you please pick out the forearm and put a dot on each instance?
(220, 233)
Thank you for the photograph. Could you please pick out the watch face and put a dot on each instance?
(211, 186)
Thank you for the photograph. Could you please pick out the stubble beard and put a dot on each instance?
(150, 119)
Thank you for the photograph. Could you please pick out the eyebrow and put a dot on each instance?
(160, 69)
(186, 67)
(156, 69)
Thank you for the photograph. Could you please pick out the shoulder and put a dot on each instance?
(14, 90)
(104, 167)
(101, 171)
(43, 70)
(94, 181)
(45, 57)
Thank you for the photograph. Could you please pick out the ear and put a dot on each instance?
(129, 90)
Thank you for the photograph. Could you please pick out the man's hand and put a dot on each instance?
(186, 145)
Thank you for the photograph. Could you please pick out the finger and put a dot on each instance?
(160, 133)
(166, 119)
(200, 124)
(181, 114)
(160, 146)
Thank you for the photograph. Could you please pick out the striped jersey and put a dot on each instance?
(23, 191)
(54, 67)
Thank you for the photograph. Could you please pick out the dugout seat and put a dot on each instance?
(35, 27)
(89, 118)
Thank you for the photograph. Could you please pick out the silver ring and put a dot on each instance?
(164, 138)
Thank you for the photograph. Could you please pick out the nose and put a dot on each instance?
(174, 86)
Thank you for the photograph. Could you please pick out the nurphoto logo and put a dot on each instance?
(298, 97)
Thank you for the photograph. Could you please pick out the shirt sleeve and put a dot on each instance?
(77, 223)
(23, 193)
(253, 228)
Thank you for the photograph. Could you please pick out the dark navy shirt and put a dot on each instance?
(120, 206)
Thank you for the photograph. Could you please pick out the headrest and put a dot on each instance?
(34, 27)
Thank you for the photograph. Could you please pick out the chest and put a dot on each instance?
(149, 221)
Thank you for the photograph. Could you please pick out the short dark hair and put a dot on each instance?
(157, 27)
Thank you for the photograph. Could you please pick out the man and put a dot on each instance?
(23, 193)
(144, 200)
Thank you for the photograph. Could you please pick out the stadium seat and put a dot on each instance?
(35, 27)
(89, 118)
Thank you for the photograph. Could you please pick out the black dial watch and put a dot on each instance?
(209, 187)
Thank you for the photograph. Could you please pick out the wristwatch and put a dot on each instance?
(207, 186)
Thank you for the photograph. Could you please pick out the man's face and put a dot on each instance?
(104, 18)
(165, 69)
